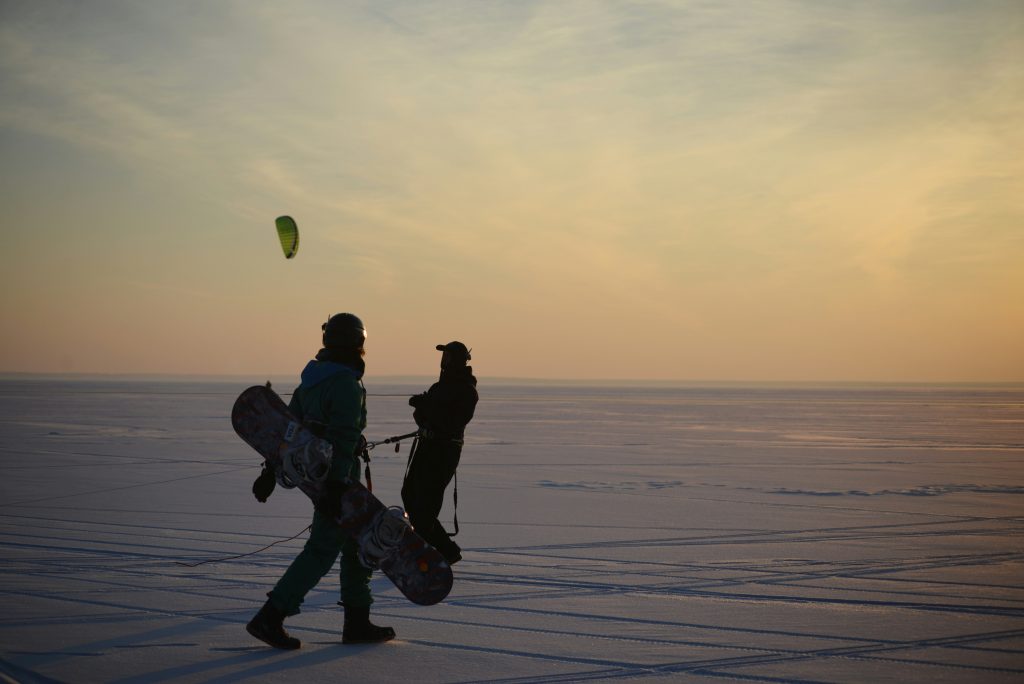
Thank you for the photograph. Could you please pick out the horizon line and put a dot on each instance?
(505, 380)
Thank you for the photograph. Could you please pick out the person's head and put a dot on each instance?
(344, 333)
(455, 355)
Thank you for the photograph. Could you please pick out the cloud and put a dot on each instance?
(685, 166)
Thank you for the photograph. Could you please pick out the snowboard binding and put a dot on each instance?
(307, 461)
(382, 535)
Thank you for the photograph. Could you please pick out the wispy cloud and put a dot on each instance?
(697, 163)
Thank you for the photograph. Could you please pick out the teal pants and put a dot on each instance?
(317, 558)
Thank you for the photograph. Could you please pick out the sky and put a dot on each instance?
(756, 190)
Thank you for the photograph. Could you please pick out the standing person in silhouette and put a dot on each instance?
(330, 401)
(442, 413)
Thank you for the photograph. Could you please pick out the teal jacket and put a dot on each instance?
(333, 395)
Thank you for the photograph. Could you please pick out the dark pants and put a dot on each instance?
(432, 465)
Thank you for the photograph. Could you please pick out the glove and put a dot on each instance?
(264, 485)
(360, 446)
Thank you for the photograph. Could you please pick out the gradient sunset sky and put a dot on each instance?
(753, 190)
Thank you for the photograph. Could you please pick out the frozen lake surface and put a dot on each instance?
(852, 534)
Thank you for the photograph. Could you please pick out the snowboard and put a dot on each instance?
(386, 540)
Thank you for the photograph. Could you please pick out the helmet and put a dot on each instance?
(344, 331)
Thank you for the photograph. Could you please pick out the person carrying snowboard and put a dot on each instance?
(331, 401)
(442, 413)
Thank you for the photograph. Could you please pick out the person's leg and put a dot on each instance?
(315, 561)
(356, 599)
(430, 472)
(354, 576)
(309, 566)
(423, 489)
(442, 541)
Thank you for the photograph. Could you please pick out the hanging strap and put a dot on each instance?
(366, 470)
(412, 454)
(455, 493)
(455, 502)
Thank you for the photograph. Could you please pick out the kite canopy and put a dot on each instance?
(288, 233)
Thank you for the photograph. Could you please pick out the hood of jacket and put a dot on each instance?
(316, 372)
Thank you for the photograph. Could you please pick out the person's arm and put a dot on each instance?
(346, 418)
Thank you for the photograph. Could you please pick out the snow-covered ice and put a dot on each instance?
(848, 534)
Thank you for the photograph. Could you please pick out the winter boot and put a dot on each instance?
(268, 627)
(451, 551)
(359, 630)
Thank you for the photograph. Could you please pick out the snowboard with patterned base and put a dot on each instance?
(420, 572)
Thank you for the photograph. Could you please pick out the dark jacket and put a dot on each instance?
(447, 407)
